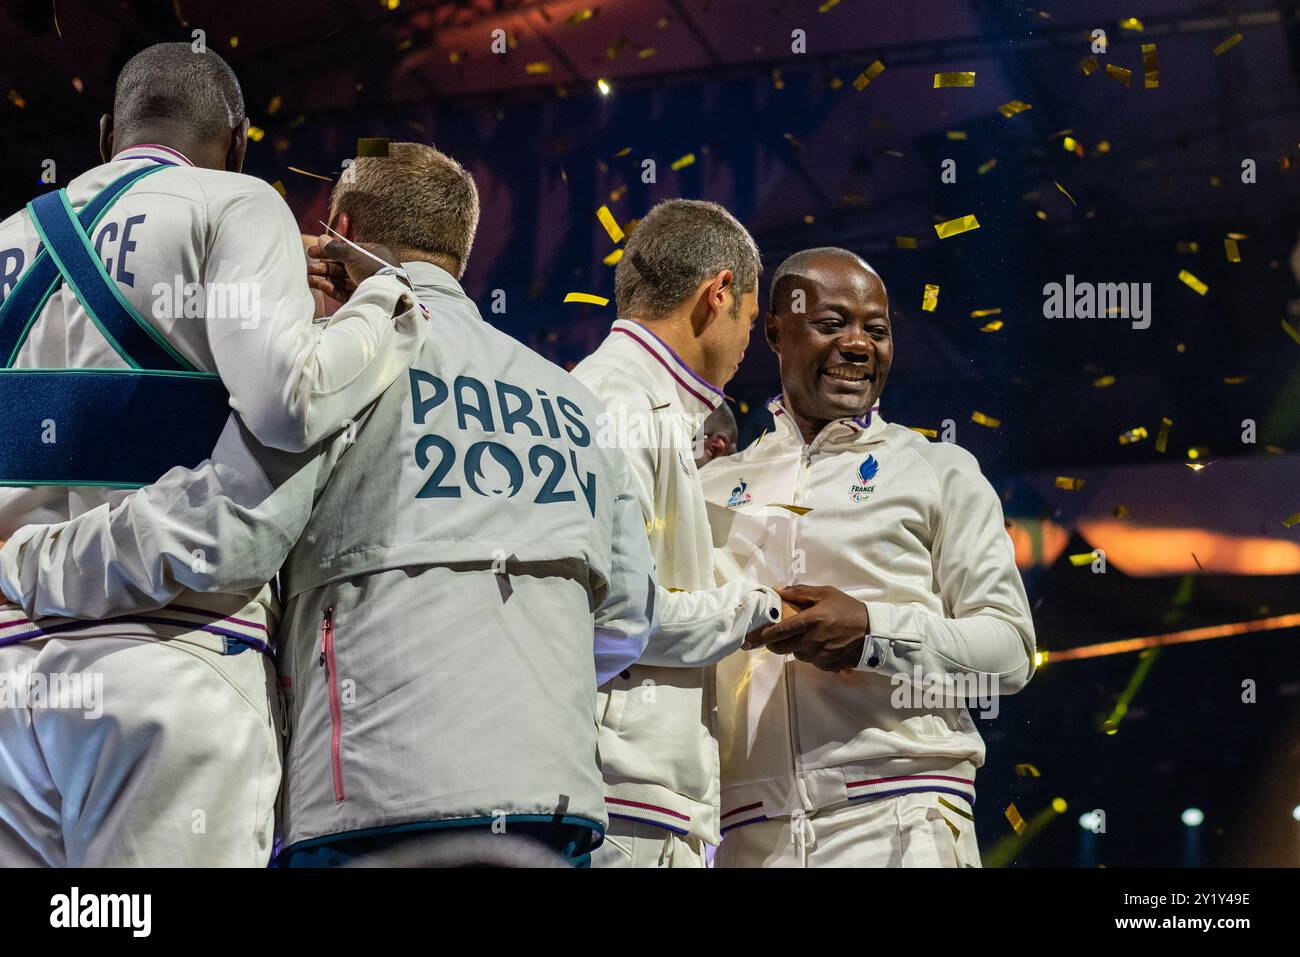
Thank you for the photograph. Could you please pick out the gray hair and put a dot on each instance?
(170, 81)
(678, 245)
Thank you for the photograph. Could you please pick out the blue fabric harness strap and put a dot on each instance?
(120, 428)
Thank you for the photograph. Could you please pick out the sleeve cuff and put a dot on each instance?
(880, 624)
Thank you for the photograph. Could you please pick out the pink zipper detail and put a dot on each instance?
(336, 715)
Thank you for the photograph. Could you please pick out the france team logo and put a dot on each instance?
(860, 490)
(740, 495)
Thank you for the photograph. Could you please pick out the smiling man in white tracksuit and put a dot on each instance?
(686, 291)
(460, 568)
(845, 733)
(158, 292)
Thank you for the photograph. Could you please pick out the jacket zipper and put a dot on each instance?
(336, 715)
(792, 723)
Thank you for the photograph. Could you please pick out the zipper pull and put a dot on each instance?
(326, 627)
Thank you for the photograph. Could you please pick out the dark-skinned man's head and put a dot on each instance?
(828, 323)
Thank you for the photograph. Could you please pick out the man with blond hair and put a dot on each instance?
(460, 567)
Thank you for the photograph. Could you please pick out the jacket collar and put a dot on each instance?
(689, 393)
(153, 151)
(867, 427)
(426, 277)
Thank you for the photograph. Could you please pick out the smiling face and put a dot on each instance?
(836, 353)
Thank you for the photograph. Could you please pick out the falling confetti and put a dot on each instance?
(1119, 73)
(613, 258)
(1083, 558)
(1227, 44)
(993, 326)
(1291, 331)
(1193, 283)
(828, 5)
(538, 66)
(578, 16)
(1131, 23)
(1089, 66)
(929, 298)
(1162, 437)
(1291, 520)
(1064, 192)
(1013, 817)
(1102, 382)
(958, 135)
(1230, 250)
(979, 418)
(683, 161)
(955, 227)
(1027, 771)
(985, 167)
(981, 313)
(928, 433)
(1150, 66)
(1069, 484)
(867, 75)
(797, 509)
(943, 81)
(586, 297)
(611, 225)
(278, 186)
(905, 242)
(1188, 247)
(1133, 435)
(1012, 108)
(1119, 511)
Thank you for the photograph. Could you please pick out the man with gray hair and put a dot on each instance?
(687, 296)
(141, 304)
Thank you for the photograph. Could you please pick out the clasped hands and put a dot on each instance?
(819, 625)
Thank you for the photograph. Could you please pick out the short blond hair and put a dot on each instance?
(416, 201)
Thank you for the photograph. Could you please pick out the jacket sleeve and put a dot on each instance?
(292, 382)
(629, 614)
(700, 627)
(987, 627)
(225, 526)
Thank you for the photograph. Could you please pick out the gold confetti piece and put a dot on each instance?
(584, 13)
(1186, 247)
(1162, 437)
(611, 225)
(979, 418)
(682, 162)
(743, 406)
(278, 186)
(836, 83)
(372, 146)
(929, 298)
(234, 42)
(1131, 23)
(1133, 435)
(1235, 379)
(1291, 520)
(993, 326)
(1071, 145)
(905, 242)
(828, 5)
(985, 167)
(613, 258)
(586, 297)
(16, 99)
(536, 67)
(797, 509)
(1291, 331)
(274, 106)
(956, 831)
(1027, 771)
(256, 133)
(1083, 558)
(1013, 817)
(1089, 66)
(956, 134)
(645, 53)
(981, 313)
(928, 433)
(305, 172)
(1231, 251)
(1192, 282)
(955, 227)
(867, 75)
(603, 86)
(1013, 107)
(1069, 484)
(1150, 66)
(776, 79)
(1119, 73)
(1119, 511)
(1064, 192)
(943, 81)
(1227, 44)
(1103, 146)
(623, 152)
(1196, 451)
(809, 219)
(1194, 466)
(1103, 381)
(1238, 236)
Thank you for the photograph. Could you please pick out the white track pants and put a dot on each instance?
(633, 844)
(159, 754)
(911, 830)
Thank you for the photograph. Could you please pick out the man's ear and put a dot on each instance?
(106, 137)
(342, 225)
(772, 329)
(238, 147)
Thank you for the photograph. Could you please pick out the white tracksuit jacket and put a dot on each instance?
(912, 529)
(448, 567)
(657, 734)
(290, 382)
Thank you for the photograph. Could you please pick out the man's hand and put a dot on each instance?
(335, 268)
(829, 632)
